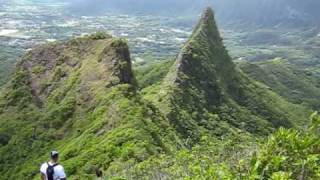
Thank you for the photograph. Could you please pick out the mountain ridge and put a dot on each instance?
(82, 98)
(204, 92)
(89, 99)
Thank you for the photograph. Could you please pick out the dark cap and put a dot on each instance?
(54, 154)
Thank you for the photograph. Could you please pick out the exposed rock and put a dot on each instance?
(94, 59)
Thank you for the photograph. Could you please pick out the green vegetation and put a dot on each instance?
(199, 117)
(298, 86)
(204, 92)
(100, 35)
(8, 56)
(82, 114)
(284, 155)
(152, 72)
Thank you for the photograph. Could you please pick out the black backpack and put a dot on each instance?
(50, 171)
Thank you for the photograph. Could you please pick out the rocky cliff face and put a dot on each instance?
(103, 60)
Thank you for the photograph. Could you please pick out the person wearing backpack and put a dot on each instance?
(52, 170)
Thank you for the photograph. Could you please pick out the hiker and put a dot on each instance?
(52, 170)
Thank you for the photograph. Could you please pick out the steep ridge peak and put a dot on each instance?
(200, 80)
(89, 64)
(206, 20)
(77, 92)
(205, 47)
(204, 90)
(204, 62)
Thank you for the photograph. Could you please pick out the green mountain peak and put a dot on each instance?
(206, 22)
(204, 54)
(90, 63)
(200, 80)
(79, 97)
(204, 92)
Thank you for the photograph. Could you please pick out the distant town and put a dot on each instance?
(24, 26)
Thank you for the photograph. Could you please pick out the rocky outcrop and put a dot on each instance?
(104, 60)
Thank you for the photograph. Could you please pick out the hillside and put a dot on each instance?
(83, 98)
(79, 97)
(204, 92)
(296, 85)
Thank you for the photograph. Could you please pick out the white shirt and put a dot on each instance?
(58, 171)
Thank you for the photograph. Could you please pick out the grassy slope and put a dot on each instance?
(298, 86)
(153, 72)
(204, 93)
(284, 155)
(94, 119)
